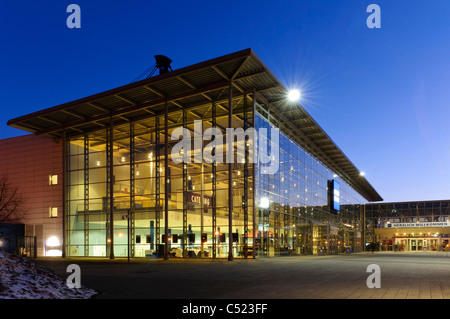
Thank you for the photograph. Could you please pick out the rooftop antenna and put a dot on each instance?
(162, 64)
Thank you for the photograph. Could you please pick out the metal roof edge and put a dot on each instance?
(177, 72)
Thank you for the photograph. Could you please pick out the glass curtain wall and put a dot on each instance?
(116, 180)
(116, 189)
(292, 213)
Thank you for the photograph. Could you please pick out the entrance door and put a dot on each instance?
(433, 244)
(413, 245)
(419, 244)
(404, 245)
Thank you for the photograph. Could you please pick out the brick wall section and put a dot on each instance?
(28, 161)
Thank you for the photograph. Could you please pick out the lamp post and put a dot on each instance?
(264, 205)
(127, 216)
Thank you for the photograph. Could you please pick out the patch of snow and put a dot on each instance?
(20, 278)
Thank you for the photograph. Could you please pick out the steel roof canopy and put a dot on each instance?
(190, 87)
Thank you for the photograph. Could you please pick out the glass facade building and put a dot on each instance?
(125, 194)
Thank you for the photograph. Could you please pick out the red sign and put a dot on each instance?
(196, 198)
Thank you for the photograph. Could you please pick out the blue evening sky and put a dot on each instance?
(382, 95)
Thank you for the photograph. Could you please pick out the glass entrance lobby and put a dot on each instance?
(408, 226)
(418, 244)
(296, 219)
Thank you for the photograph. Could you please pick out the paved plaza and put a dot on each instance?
(403, 276)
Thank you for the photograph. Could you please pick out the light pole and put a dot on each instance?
(127, 216)
(264, 205)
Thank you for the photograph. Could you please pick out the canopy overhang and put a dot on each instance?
(189, 88)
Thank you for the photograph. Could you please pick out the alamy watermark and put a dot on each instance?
(374, 19)
(74, 19)
(374, 279)
(74, 279)
(257, 145)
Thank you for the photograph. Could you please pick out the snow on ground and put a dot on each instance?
(20, 278)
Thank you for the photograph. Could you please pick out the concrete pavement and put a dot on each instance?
(403, 276)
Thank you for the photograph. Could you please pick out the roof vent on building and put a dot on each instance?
(162, 64)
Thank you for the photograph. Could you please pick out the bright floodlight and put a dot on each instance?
(53, 241)
(362, 173)
(294, 95)
(264, 203)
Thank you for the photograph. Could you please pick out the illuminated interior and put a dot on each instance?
(291, 214)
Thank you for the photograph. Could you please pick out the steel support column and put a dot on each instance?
(107, 206)
(64, 192)
(264, 235)
(166, 181)
(131, 230)
(246, 158)
(230, 175)
(110, 144)
(86, 195)
(157, 185)
(286, 226)
(214, 185)
(254, 177)
(363, 226)
(185, 188)
(276, 230)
